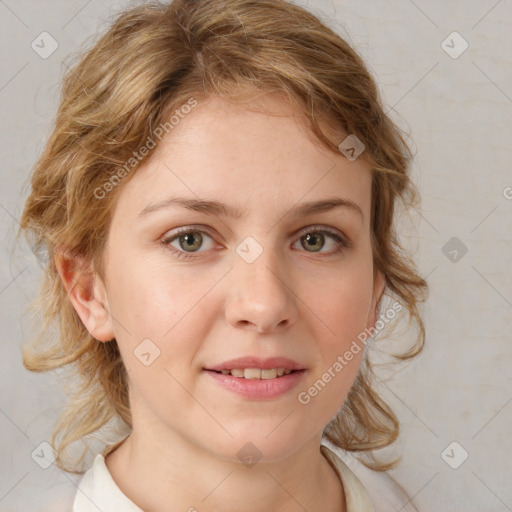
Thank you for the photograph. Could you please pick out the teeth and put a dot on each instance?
(252, 373)
(268, 374)
(256, 373)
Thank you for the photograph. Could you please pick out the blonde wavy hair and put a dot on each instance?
(150, 62)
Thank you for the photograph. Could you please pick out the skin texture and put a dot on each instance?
(307, 304)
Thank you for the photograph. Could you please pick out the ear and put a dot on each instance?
(87, 293)
(379, 284)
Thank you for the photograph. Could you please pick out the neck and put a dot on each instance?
(161, 473)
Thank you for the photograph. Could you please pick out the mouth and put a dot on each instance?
(252, 367)
(255, 378)
(257, 373)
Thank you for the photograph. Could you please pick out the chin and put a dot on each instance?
(259, 442)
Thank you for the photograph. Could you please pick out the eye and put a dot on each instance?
(186, 241)
(315, 239)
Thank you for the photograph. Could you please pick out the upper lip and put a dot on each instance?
(257, 362)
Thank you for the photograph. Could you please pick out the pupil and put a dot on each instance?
(313, 237)
(189, 240)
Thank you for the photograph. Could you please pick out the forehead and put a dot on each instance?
(255, 156)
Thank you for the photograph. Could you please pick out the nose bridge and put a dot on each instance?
(260, 293)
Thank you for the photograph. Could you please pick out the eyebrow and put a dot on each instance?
(218, 208)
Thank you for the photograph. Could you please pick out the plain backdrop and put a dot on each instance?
(445, 74)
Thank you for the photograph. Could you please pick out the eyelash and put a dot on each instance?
(343, 243)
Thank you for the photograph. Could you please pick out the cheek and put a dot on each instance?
(151, 298)
(169, 307)
(346, 318)
(342, 303)
(343, 310)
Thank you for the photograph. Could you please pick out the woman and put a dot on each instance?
(218, 199)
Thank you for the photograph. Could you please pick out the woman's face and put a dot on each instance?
(192, 286)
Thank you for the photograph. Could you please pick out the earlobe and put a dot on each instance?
(87, 293)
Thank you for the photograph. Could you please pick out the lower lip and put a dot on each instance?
(258, 389)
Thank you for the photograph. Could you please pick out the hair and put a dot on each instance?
(151, 62)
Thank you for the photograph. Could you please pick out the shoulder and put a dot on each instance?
(97, 490)
(384, 492)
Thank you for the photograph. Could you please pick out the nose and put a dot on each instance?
(260, 294)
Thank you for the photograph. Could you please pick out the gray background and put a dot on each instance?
(458, 112)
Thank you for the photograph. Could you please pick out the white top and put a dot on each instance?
(365, 490)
